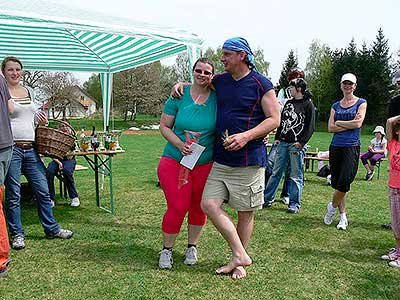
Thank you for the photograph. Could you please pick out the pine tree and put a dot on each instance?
(290, 63)
(345, 61)
(363, 74)
(380, 81)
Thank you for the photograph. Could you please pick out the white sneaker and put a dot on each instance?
(395, 263)
(330, 214)
(392, 255)
(75, 202)
(191, 256)
(18, 242)
(285, 200)
(342, 224)
(166, 260)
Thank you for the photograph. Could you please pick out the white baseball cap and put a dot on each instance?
(349, 77)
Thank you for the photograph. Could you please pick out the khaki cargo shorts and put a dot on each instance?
(241, 187)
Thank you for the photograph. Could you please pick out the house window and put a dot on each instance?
(82, 98)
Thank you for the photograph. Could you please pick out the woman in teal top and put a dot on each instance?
(184, 121)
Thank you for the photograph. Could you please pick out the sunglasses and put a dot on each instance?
(198, 71)
(347, 83)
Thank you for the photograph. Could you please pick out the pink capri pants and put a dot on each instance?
(184, 200)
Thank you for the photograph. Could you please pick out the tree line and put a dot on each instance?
(145, 89)
(373, 66)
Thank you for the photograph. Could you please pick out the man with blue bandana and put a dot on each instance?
(247, 110)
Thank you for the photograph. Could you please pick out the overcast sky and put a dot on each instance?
(274, 26)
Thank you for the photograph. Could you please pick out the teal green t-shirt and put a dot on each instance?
(190, 116)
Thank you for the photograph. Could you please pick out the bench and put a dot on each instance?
(63, 187)
(312, 159)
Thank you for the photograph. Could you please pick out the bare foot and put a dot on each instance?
(234, 263)
(239, 273)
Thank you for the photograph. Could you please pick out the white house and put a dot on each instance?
(82, 106)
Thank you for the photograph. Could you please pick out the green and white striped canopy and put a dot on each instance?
(49, 36)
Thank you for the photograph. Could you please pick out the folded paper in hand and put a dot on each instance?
(189, 161)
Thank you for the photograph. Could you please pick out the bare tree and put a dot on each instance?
(32, 78)
(58, 89)
(139, 87)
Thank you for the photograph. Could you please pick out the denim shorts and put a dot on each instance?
(5, 158)
(241, 187)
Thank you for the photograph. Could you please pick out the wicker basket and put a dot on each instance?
(54, 143)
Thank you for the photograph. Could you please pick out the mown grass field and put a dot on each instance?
(116, 257)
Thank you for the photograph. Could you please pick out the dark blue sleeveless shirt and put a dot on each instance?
(238, 110)
(350, 137)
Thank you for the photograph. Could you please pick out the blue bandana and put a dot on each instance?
(240, 44)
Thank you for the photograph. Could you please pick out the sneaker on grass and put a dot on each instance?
(293, 210)
(285, 200)
(191, 256)
(342, 225)
(75, 202)
(330, 214)
(62, 234)
(395, 263)
(268, 203)
(3, 272)
(166, 260)
(392, 255)
(18, 242)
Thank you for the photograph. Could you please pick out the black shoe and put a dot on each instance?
(370, 176)
(268, 204)
(292, 210)
(62, 234)
(387, 226)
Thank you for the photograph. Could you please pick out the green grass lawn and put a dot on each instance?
(116, 257)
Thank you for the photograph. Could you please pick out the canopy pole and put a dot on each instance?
(106, 80)
(193, 55)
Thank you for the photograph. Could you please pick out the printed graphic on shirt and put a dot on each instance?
(292, 121)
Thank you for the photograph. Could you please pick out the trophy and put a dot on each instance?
(100, 136)
(76, 145)
(85, 144)
(114, 144)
